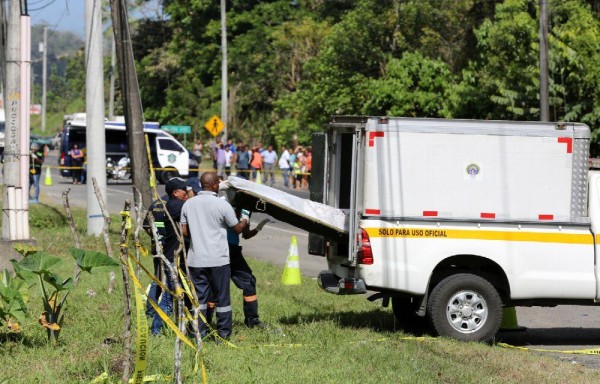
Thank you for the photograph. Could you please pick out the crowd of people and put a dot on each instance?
(257, 162)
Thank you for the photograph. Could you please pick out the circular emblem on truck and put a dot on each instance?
(472, 169)
(171, 158)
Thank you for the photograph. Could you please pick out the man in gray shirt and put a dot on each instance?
(205, 218)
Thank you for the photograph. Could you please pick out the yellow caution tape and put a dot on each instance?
(142, 336)
(143, 250)
(101, 379)
(186, 285)
(127, 216)
(104, 378)
(151, 275)
(568, 352)
(160, 312)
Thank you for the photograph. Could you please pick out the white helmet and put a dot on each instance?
(35, 146)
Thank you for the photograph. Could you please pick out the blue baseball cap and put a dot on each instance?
(174, 184)
(193, 184)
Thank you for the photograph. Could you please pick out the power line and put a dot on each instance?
(42, 7)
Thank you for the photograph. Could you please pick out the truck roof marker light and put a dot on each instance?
(546, 217)
(383, 120)
(365, 255)
(430, 213)
(488, 215)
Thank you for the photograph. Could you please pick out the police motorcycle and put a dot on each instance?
(120, 170)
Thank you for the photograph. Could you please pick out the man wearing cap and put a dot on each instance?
(177, 193)
(205, 218)
(193, 187)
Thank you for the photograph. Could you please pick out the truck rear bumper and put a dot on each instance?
(332, 283)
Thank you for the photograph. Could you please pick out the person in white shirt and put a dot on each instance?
(284, 165)
(228, 160)
(269, 159)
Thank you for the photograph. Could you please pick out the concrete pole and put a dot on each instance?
(44, 78)
(94, 101)
(132, 103)
(544, 92)
(25, 106)
(224, 71)
(12, 149)
(113, 69)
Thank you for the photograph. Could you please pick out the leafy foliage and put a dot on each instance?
(13, 297)
(291, 64)
(37, 266)
(89, 260)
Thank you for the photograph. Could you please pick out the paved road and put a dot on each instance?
(563, 328)
(270, 245)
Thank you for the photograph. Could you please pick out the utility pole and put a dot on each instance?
(224, 71)
(44, 78)
(3, 42)
(544, 93)
(15, 216)
(132, 105)
(111, 91)
(12, 150)
(94, 101)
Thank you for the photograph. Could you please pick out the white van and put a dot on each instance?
(170, 158)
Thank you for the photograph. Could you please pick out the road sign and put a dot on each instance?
(177, 129)
(214, 125)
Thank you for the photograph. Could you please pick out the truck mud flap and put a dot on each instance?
(302, 213)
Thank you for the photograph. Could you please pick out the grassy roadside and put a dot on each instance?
(314, 337)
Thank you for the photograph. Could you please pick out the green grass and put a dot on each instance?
(314, 337)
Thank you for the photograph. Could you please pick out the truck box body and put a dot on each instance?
(472, 170)
(434, 204)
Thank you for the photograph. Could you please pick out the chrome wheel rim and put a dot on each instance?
(467, 311)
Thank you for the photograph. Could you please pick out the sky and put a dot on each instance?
(62, 15)
(65, 15)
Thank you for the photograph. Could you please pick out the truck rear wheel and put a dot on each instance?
(405, 311)
(465, 307)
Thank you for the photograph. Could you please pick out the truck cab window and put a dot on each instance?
(169, 145)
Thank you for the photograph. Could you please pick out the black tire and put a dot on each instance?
(405, 312)
(168, 174)
(465, 307)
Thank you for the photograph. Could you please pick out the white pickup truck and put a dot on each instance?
(455, 219)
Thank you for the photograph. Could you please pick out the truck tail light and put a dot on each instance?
(62, 158)
(365, 255)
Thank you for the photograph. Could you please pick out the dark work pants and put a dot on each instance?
(242, 277)
(155, 290)
(214, 282)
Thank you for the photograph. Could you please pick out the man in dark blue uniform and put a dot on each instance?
(176, 191)
(242, 275)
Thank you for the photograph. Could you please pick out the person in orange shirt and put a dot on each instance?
(256, 162)
(308, 164)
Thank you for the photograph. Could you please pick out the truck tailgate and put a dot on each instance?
(302, 213)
